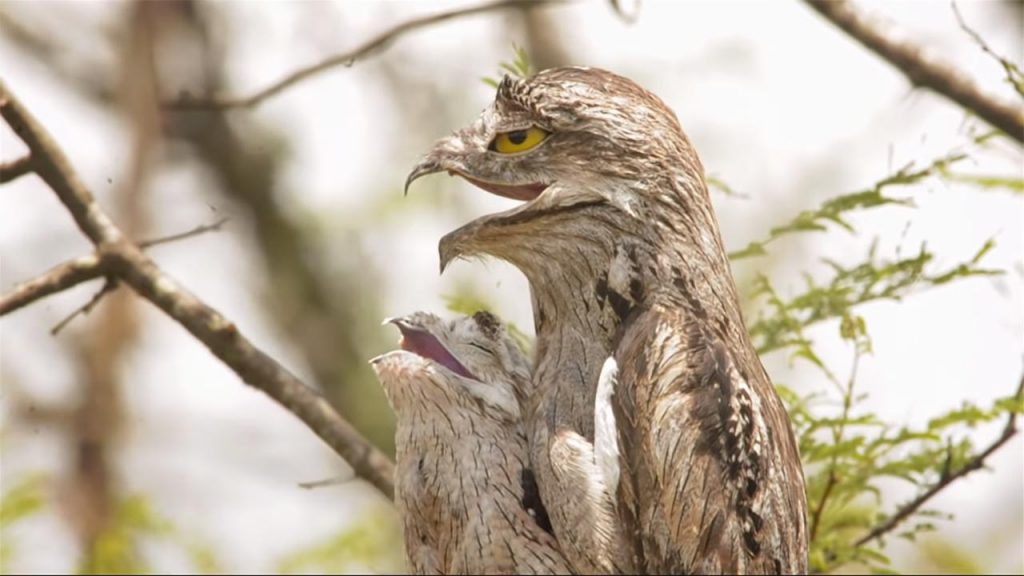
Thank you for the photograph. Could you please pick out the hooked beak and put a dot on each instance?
(428, 165)
(446, 154)
(449, 155)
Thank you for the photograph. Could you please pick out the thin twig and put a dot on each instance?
(346, 59)
(57, 279)
(198, 230)
(1013, 73)
(129, 264)
(10, 171)
(947, 478)
(326, 482)
(108, 287)
(79, 270)
(929, 73)
(820, 508)
(837, 436)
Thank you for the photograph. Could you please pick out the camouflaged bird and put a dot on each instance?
(465, 494)
(622, 251)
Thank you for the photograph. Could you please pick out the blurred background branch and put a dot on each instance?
(922, 70)
(349, 57)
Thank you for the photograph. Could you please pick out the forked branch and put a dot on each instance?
(119, 259)
(10, 171)
(57, 279)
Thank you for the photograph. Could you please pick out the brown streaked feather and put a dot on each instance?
(706, 489)
(624, 258)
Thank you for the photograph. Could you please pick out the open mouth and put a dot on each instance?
(422, 343)
(524, 192)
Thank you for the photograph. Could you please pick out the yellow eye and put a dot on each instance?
(518, 140)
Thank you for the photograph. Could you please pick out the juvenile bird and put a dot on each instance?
(465, 493)
(621, 247)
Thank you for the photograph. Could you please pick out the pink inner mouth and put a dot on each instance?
(524, 192)
(424, 344)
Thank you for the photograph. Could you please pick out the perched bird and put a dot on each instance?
(465, 494)
(623, 254)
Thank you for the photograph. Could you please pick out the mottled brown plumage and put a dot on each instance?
(624, 258)
(464, 491)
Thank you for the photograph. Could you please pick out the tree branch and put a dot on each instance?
(947, 478)
(79, 270)
(382, 40)
(53, 167)
(126, 262)
(911, 60)
(1013, 73)
(57, 279)
(10, 171)
(108, 287)
(255, 367)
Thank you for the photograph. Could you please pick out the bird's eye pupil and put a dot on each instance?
(517, 137)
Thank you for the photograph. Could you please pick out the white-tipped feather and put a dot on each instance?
(606, 439)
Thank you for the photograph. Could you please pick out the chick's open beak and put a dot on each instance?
(418, 340)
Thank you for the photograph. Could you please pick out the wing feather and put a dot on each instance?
(704, 488)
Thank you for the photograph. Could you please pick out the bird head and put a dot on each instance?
(569, 143)
(470, 363)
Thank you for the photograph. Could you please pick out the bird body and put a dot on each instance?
(464, 489)
(621, 248)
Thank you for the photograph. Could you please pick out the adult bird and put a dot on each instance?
(464, 490)
(627, 270)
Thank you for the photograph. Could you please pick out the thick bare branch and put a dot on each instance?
(347, 58)
(976, 463)
(126, 262)
(921, 70)
(10, 171)
(55, 280)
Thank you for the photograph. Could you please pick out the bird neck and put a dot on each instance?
(592, 272)
(455, 466)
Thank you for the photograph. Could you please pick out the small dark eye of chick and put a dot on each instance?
(517, 137)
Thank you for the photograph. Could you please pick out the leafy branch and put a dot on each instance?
(519, 67)
(782, 325)
(847, 451)
(1013, 406)
(834, 210)
(846, 469)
